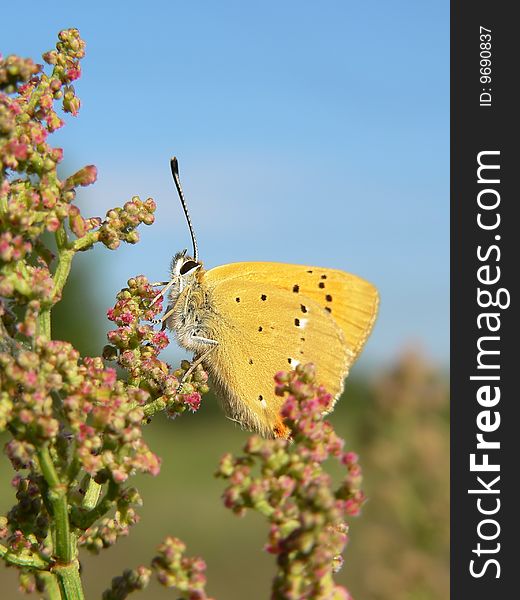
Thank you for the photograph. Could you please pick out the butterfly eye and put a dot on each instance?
(188, 266)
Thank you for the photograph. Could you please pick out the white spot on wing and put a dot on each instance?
(303, 323)
(263, 403)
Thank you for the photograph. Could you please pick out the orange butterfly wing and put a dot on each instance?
(269, 317)
(351, 301)
(260, 330)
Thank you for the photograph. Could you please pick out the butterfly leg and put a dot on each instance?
(212, 345)
(168, 285)
(170, 309)
(169, 312)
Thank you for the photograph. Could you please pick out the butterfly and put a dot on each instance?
(246, 321)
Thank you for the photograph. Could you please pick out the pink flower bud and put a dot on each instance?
(83, 177)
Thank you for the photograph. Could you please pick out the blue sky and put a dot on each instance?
(315, 133)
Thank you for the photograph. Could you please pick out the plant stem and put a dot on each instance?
(44, 323)
(66, 252)
(63, 549)
(65, 256)
(67, 567)
(51, 585)
(86, 241)
(155, 406)
(64, 582)
(91, 495)
(83, 519)
(69, 580)
(62, 240)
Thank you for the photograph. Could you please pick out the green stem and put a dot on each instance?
(66, 252)
(83, 519)
(86, 241)
(51, 585)
(264, 508)
(62, 272)
(154, 407)
(67, 567)
(3, 201)
(62, 240)
(44, 323)
(91, 495)
(32, 561)
(69, 580)
(65, 256)
(63, 549)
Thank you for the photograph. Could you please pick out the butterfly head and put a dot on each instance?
(184, 272)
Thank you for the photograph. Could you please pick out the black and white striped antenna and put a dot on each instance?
(175, 172)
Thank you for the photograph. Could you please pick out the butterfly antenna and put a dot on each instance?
(175, 172)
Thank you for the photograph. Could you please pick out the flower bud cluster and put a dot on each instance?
(131, 580)
(29, 378)
(285, 481)
(69, 50)
(15, 71)
(26, 119)
(106, 417)
(104, 414)
(174, 570)
(107, 531)
(136, 347)
(29, 516)
(120, 223)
